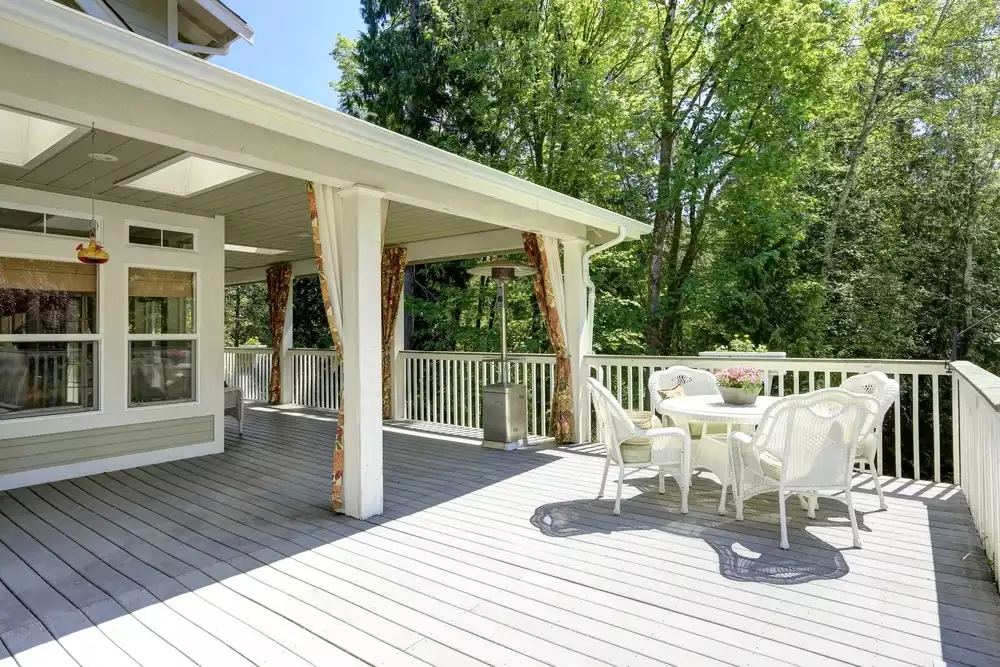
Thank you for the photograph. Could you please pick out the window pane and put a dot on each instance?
(161, 371)
(143, 235)
(66, 226)
(43, 378)
(173, 239)
(26, 221)
(160, 302)
(22, 221)
(43, 297)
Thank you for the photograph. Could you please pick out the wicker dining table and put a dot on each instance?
(711, 450)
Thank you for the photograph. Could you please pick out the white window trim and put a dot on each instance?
(96, 338)
(194, 337)
(162, 227)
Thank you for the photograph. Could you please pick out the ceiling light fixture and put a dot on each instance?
(102, 157)
(250, 250)
(186, 175)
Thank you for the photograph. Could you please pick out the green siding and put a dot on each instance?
(42, 451)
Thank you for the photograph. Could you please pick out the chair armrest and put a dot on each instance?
(668, 443)
(740, 438)
(738, 443)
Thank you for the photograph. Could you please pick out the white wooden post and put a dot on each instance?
(398, 370)
(359, 234)
(576, 314)
(287, 377)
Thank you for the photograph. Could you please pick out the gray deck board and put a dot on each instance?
(481, 558)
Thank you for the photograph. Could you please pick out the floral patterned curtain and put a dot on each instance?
(393, 269)
(279, 284)
(323, 204)
(543, 255)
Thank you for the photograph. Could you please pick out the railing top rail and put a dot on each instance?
(311, 350)
(919, 366)
(250, 350)
(984, 382)
(492, 356)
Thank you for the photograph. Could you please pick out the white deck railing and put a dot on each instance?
(978, 397)
(315, 377)
(248, 368)
(444, 387)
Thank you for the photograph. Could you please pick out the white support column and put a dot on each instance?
(359, 233)
(286, 344)
(576, 316)
(398, 371)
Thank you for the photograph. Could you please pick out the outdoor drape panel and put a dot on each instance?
(393, 269)
(323, 207)
(279, 284)
(543, 255)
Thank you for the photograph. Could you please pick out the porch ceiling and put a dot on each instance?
(266, 210)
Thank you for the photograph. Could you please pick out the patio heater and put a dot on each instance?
(505, 405)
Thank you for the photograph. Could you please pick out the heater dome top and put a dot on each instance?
(503, 269)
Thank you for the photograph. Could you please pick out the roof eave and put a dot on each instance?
(118, 53)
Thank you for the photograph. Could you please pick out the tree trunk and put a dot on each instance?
(854, 160)
(409, 279)
(663, 218)
(236, 329)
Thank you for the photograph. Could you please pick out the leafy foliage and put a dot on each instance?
(820, 175)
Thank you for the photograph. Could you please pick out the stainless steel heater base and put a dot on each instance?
(505, 416)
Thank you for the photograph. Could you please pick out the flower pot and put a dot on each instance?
(739, 395)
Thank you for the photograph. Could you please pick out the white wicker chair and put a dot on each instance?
(804, 443)
(695, 382)
(886, 392)
(628, 446)
(233, 404)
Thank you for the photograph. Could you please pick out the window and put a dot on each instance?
(44, 223)
(162, 336)
(48, 337)
(161, 238)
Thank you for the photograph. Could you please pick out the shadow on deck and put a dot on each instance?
(481, 557)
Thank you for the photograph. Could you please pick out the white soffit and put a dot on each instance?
(232, 247)
(186, 175)
(228, 18)
(25, 139)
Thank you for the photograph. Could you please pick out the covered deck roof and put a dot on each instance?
(481, 557)
(151, 103)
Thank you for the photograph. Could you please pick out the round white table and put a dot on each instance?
(712, 451)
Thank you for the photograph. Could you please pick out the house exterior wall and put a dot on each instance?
(34, 449)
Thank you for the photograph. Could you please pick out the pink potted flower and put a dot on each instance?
(740, 386)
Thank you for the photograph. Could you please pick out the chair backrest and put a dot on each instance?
(613, 425)
(877, 385)
(815, 435)
(695, 382)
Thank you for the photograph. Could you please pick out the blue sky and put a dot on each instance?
(292, 43)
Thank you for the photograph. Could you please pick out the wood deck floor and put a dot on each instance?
(482, 557)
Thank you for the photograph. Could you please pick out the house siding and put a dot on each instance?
(146, 17)
(42, 451)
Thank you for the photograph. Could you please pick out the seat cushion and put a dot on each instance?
(637, 450)
(641, 419)
(676, 392)
(770, 465)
